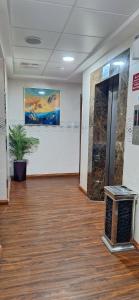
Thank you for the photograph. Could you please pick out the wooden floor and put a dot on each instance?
(52, 248)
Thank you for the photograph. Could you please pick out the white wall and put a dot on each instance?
(85, 130)
(58, 151)
(131, 158)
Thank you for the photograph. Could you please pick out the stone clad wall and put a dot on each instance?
(98, 128)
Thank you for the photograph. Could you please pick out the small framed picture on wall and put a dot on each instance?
(42, 106)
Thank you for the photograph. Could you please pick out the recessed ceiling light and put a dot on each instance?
(118, 63)
(41, 92)
(34, 40)
(68, 58)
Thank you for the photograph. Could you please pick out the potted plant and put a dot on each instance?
(20, 145)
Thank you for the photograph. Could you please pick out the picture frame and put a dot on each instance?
(41, 106)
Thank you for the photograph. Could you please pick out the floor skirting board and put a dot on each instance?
(3, 202)
(52, 175)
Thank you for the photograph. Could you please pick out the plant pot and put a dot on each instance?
(20, 167)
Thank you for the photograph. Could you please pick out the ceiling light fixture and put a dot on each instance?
(118, 63)
(68, 58)
(33, 40)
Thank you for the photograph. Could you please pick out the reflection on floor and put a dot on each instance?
(52, 248)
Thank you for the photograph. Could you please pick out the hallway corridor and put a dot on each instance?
(52, 248)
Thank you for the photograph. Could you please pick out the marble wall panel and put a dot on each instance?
(98, 127)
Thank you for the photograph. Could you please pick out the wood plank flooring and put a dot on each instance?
(52, 248)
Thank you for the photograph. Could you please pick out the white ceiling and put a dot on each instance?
(66, 28)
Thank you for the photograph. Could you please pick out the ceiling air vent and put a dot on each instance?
(33, 40)
(28, 65)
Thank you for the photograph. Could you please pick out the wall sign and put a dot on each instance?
(106, 71)
(135, 84)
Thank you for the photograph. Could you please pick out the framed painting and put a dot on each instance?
(41, 106)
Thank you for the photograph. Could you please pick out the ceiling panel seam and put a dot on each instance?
(69, 16)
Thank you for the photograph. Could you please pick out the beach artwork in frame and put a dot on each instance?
(42, 106)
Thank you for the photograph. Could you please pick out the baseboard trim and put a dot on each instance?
(3, 202)
(83, 190)
(135, 244)
(52, 175)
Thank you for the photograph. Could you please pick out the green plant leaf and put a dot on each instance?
(20, 144)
